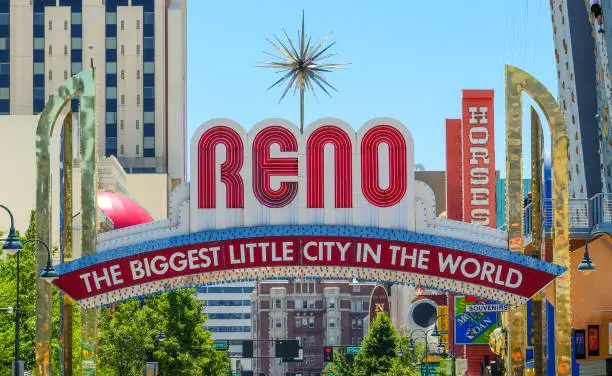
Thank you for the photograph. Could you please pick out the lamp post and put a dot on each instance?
(12, 245)
(586, 265)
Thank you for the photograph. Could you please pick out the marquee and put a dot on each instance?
(330, 203)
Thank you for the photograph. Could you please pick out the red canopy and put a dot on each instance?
(122, 210)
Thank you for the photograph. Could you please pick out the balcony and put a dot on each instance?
(585, 215)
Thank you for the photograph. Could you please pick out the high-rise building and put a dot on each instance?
(316, 313)
(140, 91)
(228, 311)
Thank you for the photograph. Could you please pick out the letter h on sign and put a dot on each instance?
(478, 112)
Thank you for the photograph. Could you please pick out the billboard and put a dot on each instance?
(478, 157)
(472, 328)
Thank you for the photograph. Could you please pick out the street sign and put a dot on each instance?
(486, 308)
(353, 350)
(221, 345)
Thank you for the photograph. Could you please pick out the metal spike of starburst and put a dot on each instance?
(302, 67)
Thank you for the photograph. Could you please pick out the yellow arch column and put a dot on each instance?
(517, 82)
(82, 85)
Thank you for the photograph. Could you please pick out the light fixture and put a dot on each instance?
(436, 332)
(411, 345)
(441, 344)
(11, 244)
(161, 336)
(586, 265)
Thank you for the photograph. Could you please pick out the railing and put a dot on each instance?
(584, 215)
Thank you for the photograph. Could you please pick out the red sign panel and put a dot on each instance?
(478, 157)
(454, 170)
(379, 302)
(280, 251)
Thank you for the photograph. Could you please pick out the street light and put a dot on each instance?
(12, 245)
(586, 265)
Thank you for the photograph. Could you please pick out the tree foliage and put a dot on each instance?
(378, 349)
(129, 338)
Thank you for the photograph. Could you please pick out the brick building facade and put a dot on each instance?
(317, 313)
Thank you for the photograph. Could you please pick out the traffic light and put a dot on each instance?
(328, 354)
(247, 349)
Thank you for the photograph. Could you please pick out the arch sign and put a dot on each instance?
(331, 203)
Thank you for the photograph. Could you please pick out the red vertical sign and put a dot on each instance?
(454, 172)
(478, 157)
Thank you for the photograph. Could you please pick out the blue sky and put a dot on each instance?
(410, 61)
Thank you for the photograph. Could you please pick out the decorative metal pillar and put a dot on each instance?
(536, 238)
(81, 84)
(517, 82)
(67, 243)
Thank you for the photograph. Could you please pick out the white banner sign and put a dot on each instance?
(486, 308)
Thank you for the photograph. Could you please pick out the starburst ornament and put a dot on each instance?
(303, 67)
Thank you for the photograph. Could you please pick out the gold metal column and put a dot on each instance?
(67, 242)
(517, 82)
(536, 238)
(81, 84)
(515, 319)
(89, 184)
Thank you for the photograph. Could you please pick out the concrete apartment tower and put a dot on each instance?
(141, 91)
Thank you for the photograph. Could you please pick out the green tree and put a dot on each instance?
(129, 338)
(378, 349)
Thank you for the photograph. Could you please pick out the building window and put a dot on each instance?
(111, 43)
(50, 75)
(121, 124)
(149, 92)
(137, 149)
(122, 99)
(356, 341)
(65, 25)
(137, 124)
(111, 118)
(138, 49)
(123, 74)
(50, 25)
(65, 50)
(354, 324)
(148, 143)
(149, 18)
(278, 323)
(138, 99)
(331, 323)
(76, 67)
(331, 304)
(149, 117)
(39, 18)
(111, 67)
(149, 43)
(311, 322)
(149, 67)
(122, 150)
(50, 50)
(39, 68)
(76, 19)
(39, 44)
(359, 324)
(77, 43)
(111, 18)
(122, 25)
(65, 75)
(4, 19)
(278, 304)
(5, 93)
(298, 322)
(137, 24)
(5, 68)
(111, 92)
(311, 304)
(138, 73)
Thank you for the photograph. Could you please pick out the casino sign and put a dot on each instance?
(330, 203)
